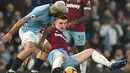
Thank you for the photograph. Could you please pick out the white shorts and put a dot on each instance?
(30, 36)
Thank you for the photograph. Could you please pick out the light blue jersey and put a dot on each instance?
(38, 18)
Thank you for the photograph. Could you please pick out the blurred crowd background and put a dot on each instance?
(107, 30)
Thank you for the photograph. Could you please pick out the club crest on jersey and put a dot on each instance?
(60, 35)
(33, 17)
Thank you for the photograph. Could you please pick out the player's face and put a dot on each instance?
(61, 24)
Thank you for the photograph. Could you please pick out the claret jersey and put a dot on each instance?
(57, 39)
(76, 11)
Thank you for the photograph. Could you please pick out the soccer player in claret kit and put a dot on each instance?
(79, 11)
(59, 56)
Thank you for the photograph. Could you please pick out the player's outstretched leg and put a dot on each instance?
(98, 58)
(29, 48)
(41, 57)
(118, 65)
(37, 65)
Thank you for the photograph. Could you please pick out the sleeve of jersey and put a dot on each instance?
(87, 4)
(36, 12)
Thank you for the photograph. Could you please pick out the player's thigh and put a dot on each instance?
(79, 38)
(83, 56)
(27, 36)
(67, 35)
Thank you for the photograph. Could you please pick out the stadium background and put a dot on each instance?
(107, 30)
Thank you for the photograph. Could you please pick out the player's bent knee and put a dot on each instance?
(29, 47)
(59, 55)
(29, 50)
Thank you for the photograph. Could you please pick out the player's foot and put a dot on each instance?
(34, 71)
(118, 65)
(57, 70)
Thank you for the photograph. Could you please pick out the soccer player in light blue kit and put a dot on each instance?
(29, 32)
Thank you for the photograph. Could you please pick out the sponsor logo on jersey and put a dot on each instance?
(60, 35)
(73, 6)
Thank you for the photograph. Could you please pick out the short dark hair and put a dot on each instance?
(63, 16)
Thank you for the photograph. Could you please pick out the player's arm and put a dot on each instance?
(87, 11)
(21, 22)
(79, 21)
(17, 25)
(45, 34)
(8, 36)
(31, 16)
(83, 18)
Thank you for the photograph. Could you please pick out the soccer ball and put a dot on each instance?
(70, 70)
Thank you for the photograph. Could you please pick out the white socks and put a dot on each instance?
(97, 57)
(58, 62)
(83, 67)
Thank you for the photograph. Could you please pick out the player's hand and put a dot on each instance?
(41, 45)
(70, 25)
(7, 37)
(46, 47)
